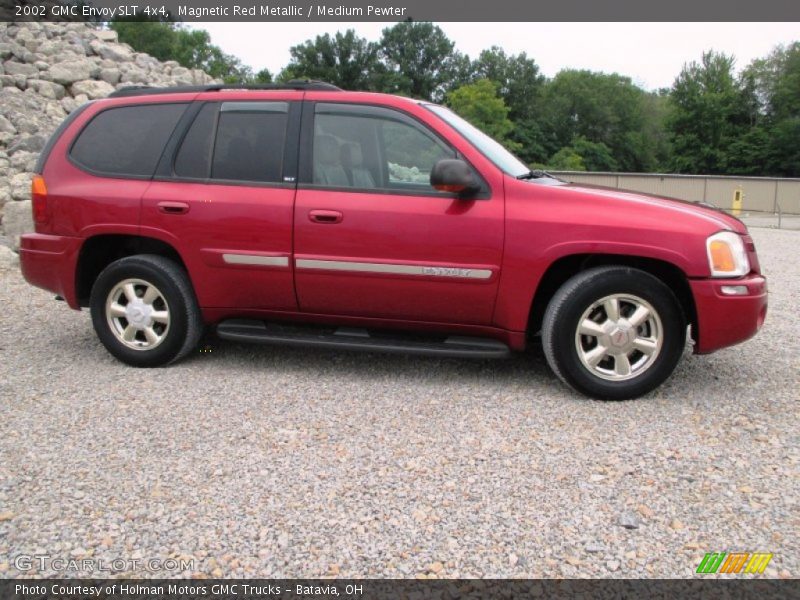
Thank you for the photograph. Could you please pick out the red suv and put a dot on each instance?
(303, 214)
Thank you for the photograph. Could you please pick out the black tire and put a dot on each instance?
(185, 325)
(566, 310)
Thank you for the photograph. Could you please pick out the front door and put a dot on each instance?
(373, 238)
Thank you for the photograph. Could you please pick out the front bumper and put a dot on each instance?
(49, 261)
(724, 320)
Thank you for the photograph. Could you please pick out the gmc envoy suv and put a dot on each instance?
(303, 214)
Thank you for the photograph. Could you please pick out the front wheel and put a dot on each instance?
(144, 311)
(613, 333)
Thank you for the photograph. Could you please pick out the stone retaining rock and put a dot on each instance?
(17, 219)
(70, 71)
(47, 70)
(8, 260)
(92, 88)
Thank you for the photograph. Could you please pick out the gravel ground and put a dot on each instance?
(257, 461)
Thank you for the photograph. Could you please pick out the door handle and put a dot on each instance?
(173, 208)
(328, 217)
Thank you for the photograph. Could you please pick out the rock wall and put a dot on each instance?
(46, 71)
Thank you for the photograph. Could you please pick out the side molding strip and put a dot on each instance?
(256, 259)
(399, 269)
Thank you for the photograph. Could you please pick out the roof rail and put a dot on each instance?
(294, 84)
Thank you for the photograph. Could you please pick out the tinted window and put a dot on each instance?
(194, 157)
(250, 140)
(128, 140)
(373, 148)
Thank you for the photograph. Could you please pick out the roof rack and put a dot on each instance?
(294, 84)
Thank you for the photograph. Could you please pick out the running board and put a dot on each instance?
(349, 338)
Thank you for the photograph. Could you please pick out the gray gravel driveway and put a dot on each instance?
(275, 462)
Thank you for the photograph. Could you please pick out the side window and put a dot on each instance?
(250, 141)
(410, 155)
(372, 148)
(194, 156)
(127, 140)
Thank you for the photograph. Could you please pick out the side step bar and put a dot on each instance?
(349, 338)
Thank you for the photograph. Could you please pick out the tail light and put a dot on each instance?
(39, 199)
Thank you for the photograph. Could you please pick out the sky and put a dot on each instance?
(651, 54)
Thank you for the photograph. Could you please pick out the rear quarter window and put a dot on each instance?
(127, 140)
(250, 141)
(235, 141)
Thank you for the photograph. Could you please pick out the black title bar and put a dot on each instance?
(399, 10)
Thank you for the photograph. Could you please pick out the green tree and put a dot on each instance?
(156, 38)
(479, 104)
(583, 155)
(785, 156)
(602, 108)
(166, 40)
(708, 114)
(344, 59)
(566, 159)
(263, 76)
(749, 153)
(520, 85)
(776, 84)
(420, 59)
(519, 81)
(777, 81)
(655, 112)
(595, 155)
(194, 48)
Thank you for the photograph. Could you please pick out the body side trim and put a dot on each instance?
(255, 259)
(394, 268)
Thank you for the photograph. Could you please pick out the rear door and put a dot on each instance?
(223, 196)
(373, 238)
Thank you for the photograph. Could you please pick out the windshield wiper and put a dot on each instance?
(536, 174)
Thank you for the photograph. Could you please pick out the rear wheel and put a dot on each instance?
(144, 311)
(613, 333)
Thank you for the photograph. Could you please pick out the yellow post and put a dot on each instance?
(738, 198)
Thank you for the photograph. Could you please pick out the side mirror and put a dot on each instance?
(455, 176)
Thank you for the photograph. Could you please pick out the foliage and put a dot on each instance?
(263, 76)
(566, 159)
(420, 59)
(602, 108)
(774, 140)
(519, 81)
(596, 155)
(583, 155)
(520, 85)
(166, 40)
(346, 60)
(156, 38)
(655, 110)
(707, 115)
(479, 104)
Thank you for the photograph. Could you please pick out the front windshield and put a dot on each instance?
(493, 150)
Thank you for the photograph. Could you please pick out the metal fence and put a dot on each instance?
(764, 195)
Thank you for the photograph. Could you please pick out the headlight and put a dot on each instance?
(726, 255)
